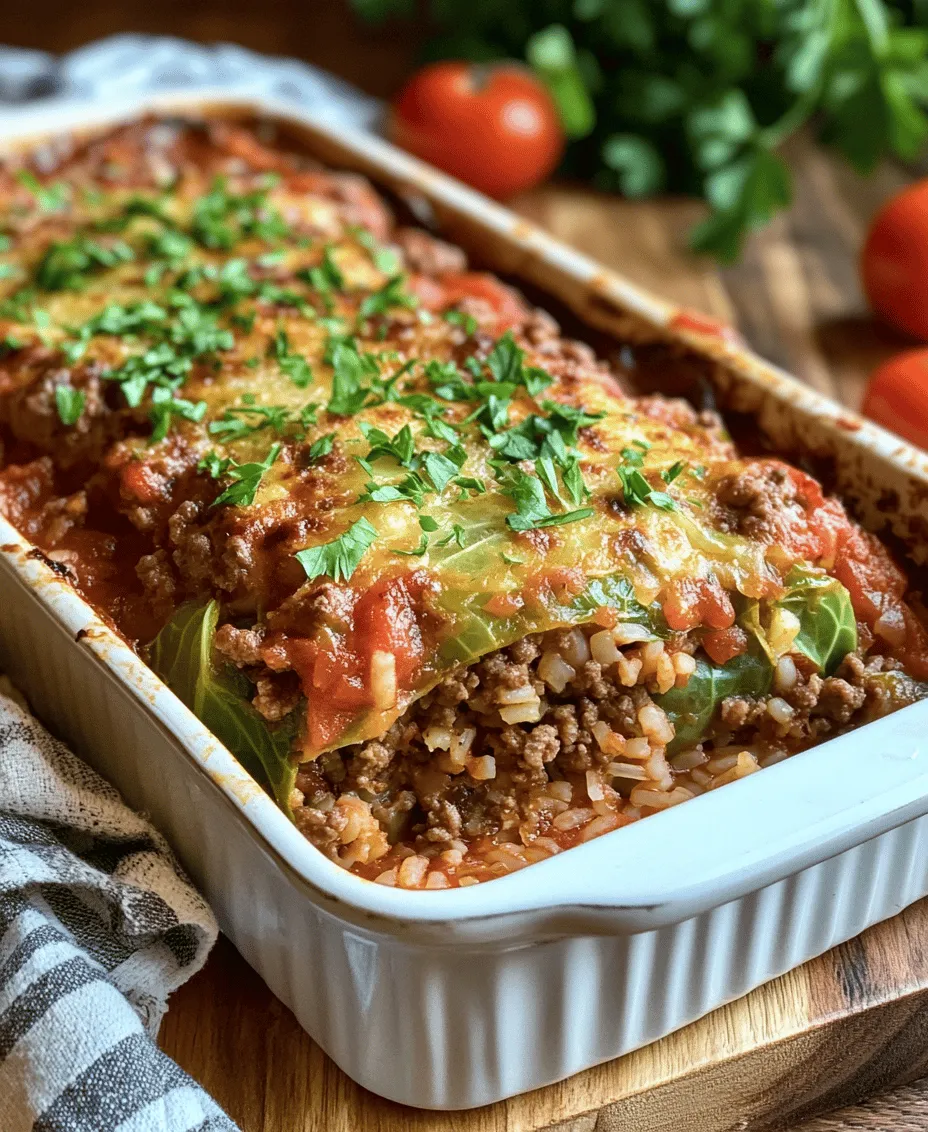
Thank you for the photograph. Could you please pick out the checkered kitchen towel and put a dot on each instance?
(97, 926)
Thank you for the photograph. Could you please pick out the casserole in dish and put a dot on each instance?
(717, 865)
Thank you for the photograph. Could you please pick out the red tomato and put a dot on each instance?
(877, 588)
(510, 309)
(894, 264)
(724, 644)
(495, 127)
(385, 620)
(897, 396)
(698, 601)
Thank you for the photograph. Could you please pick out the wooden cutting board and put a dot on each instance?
(826, 1035)
(838, 1029)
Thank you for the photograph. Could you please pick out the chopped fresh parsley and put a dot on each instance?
(350, 380)
(384, 259)
(70, 403)
(528, 494)
(636, 490)
(165, 406)
(295, 366)
(170, 245)
(67, 263)
(568, 420)
(325, 278)
(49, 198)
(391, 294)
(340, 558)
(467, 322)
(440, 469)
(411, 489)
(248, 417)
(418, 551)
(221, 218)
(506, 362)
(214, 464)
(456, 535)
(246, 478)
(321, 447)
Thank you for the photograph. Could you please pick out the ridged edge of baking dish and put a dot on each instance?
(679, 863)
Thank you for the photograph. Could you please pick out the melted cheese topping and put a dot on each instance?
(198, 334)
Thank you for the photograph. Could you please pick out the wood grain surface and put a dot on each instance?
(840, 1029)
(835, 1031)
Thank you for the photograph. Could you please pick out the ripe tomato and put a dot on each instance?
(897, 396)
(894, 264)
(493, 126)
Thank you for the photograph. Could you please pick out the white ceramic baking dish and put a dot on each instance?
(455, 999)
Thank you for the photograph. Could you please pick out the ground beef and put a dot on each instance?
(839, 699)
(759, 500)
(193, 550)
(541, 746)
(241, 646)
(156, 575)
(277, 694)
(737, 712)
(421, 796)
(31, 412)
(540, 327)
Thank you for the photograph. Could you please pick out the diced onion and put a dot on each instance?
(555, 671)
(383, 679)
(603, 648)
(521, 713)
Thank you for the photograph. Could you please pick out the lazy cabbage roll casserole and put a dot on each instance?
(451, 595)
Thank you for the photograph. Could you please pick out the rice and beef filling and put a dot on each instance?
(551, 742)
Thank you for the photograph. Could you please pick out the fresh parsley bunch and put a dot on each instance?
(698, 96)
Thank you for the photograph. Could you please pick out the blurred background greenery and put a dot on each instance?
(699, 96)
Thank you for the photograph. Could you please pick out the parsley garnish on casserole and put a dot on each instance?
(449, 593)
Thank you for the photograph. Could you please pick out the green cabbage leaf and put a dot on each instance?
(218, 695)
(692, 708)
(827, 625)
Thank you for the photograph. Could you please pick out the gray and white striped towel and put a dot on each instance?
(97, 926)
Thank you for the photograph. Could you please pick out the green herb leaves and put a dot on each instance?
(351, 376)
(67, 264)
(49, 198)
(70, 404)
(246, 478)
(338, 559)
(222, 218)
(636, 490)
(165, 407)
(532, 510)
(391, 294)
(294, 366)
